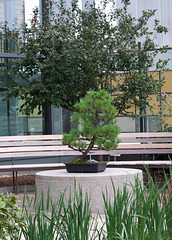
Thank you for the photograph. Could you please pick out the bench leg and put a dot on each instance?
(13, 182)
(16, 182)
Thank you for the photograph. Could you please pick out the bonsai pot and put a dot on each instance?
(85, 167)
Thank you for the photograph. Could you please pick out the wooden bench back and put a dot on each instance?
(51, 145)
(145, 143)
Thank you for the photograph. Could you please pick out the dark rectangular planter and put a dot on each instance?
(85, 167)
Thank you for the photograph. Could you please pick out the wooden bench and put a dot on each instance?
(34, 146)
(145, 143)
(51, 145)
(37, 146)
(42, 146)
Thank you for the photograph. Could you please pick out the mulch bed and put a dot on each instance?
(159, 176)
(28, 179)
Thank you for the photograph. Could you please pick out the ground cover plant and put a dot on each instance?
(11, 219)
(145, 213)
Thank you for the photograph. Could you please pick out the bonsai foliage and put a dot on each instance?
(96, 114)
(74, 51)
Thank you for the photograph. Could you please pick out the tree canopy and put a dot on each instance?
(74, 51)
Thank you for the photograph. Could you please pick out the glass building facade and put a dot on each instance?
(12, 15)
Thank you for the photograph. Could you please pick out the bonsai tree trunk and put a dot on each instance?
(89, 148)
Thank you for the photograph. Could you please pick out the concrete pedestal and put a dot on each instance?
(92, 183)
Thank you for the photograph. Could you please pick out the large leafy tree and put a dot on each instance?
(74, 51)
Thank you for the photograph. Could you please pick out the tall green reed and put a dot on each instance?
(117, 212)
(144, 213)
(139, 214)
(166, 200)
(66, 219)
(42, 223)
(77, 221)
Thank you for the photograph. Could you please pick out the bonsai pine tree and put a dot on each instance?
(96, 114)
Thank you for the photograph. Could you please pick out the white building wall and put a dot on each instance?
(12, 12)
(163, 14)
(1, 11)
(20, 12)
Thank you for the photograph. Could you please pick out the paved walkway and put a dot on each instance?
(20, 197)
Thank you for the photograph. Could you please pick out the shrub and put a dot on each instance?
(11, 219)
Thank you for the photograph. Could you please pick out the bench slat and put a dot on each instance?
(59, 136)
(146, 140)
(76, 153)
(30, 155)
(31, 167)
(27, 167)
(145, 134)
(66, 148)
(30, 143)
(31, 137)
(50, 154)
(48, 166)
(140, 164)
(146, 162)
(141, 151)
(145, 146)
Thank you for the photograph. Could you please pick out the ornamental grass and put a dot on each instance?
(144, 213)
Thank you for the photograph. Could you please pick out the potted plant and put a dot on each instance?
(96, 115)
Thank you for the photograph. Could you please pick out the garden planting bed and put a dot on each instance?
(23, 179)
